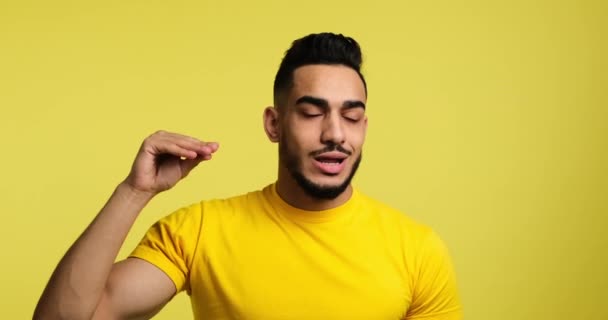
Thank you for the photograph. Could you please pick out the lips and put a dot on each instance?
(331, 163)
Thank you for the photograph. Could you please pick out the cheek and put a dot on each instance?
(302, 136)
(294, 142)
(357, 138)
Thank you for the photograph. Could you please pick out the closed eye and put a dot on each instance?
(352, 119)
(353, 116)
(311, 115)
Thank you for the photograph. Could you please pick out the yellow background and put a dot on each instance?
(488, 121)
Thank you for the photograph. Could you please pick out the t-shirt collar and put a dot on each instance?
(333, 214)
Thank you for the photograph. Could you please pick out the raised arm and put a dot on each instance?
(86, 283)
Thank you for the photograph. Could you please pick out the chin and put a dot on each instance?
(323, 188)
(318, 184)
(325, 181)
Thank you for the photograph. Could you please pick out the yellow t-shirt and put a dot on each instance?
(256, 257)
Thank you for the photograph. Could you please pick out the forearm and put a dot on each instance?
(80, 278)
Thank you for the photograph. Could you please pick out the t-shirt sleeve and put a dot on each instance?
(170, 244)
(435, 295)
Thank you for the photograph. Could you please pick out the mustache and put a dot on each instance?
(330, 148)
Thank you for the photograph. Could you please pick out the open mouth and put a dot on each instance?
(330, 161)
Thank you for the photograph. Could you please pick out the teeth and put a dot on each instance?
(330, 163)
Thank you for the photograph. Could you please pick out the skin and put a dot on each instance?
(88, 284)
(335, 116)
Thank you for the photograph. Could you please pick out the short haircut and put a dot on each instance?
(320, 48)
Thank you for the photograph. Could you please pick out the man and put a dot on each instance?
(306, 247)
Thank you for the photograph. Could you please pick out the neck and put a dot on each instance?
(291, 192)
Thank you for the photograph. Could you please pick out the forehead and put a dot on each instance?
(335, 83)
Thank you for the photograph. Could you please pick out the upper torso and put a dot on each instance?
(256, 257)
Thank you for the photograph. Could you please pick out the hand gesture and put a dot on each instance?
(164, 159)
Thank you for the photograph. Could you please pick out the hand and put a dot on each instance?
(164, 159)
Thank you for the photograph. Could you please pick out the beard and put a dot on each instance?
(315, 190)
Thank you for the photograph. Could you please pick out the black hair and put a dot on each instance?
(320, 48)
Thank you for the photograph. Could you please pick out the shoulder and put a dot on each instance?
(397, 219)
(231, 205)
(218, 210)
(427, 259)
(194, 213)
(418, 242)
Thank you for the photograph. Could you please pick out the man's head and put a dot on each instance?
(322, 48)
(319, 116)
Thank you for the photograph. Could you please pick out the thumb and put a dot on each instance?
(188, 164)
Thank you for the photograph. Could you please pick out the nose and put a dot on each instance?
(332, 131)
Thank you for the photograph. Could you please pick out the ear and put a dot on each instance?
(271, 123)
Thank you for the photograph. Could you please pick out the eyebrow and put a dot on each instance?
(323, 104)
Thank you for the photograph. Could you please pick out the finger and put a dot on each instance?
(185, 138)
(199, 148)
(174, 149)
(213, 145)
(189, 140)
(165, 135)
(186, 142)
(202, 148)
(189, 164)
